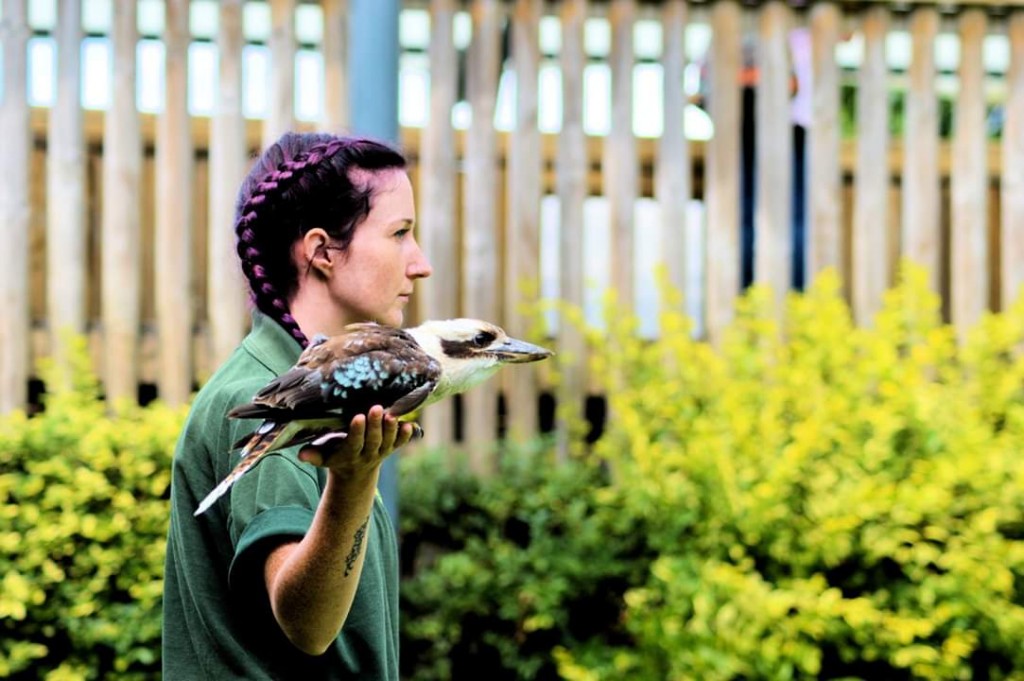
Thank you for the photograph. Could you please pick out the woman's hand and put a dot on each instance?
(370, 439)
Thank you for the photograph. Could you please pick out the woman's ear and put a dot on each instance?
(314, 252)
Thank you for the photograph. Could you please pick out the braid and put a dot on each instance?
(300, 182)
(267, 297)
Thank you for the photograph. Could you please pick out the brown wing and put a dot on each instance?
(347, 374)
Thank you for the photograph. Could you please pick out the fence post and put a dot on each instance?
(870, 271)
(226, 296)
(968, 245)
(522, 281)
(572, 192)
(122, 214)
(1012, 190)
(281, 94)
(437, 214)
(773, 227)
(15, 208)
(66, 254)
(722, 176)
(620, 160)
(480, 237)
(335, 52)
(173, 238)
(921, 181)
(824, 228)
(672, 172)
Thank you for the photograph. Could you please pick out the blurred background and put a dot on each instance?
(778, 247)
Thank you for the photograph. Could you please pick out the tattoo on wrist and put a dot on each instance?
(357, 547)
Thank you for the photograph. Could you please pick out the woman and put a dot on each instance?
(294, 574)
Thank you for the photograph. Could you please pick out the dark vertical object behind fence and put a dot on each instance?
(373, 91)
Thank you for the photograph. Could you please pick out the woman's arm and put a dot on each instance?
(312, 582)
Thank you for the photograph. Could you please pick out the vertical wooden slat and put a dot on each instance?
(920, 216)
(226, 296)
(15, 208)
(620, 158)
(522, 280)
(281, 93)
(825, 240)
(65, 187)
(481, 297)
(773, 215)
(571, 182)
(173, 237)
(122, 213)
(1011, 236)
(437, 210)
(723, 168)
(672, 174)
(969, 182)
(870, 265)
(335, 46)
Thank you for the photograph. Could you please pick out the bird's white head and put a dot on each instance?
(471, 351)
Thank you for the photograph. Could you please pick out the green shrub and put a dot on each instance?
(83, 522)
(826, 501)
(499, 572)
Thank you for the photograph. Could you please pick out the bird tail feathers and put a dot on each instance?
(256, 447)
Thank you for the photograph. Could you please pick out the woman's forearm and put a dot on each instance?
(312, 583)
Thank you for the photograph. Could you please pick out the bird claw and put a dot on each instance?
(417, 431)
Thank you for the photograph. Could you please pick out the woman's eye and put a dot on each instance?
(401, 233)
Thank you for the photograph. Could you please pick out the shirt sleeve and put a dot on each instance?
(272, 503)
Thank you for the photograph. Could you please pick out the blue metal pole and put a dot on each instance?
(373, 111)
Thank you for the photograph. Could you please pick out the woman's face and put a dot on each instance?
(378, 270)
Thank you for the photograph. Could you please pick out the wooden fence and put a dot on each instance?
(118, 224)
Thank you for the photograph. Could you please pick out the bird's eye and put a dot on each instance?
(483, 339)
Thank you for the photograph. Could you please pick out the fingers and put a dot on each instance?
(370, 438)
(311, 455)
(374, 430)
(406, 433)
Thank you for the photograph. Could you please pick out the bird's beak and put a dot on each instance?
(515, 351)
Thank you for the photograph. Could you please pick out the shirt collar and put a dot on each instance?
(270, 344)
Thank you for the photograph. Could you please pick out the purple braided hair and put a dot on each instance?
(300, 182)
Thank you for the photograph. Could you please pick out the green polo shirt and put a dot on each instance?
(217, 621)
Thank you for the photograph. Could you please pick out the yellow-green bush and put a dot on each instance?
(826, 501)
(82, 533)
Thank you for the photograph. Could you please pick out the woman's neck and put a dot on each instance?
(315, 312)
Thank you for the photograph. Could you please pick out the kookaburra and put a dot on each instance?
(338, 377)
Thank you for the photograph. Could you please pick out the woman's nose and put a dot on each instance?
(419, 267)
